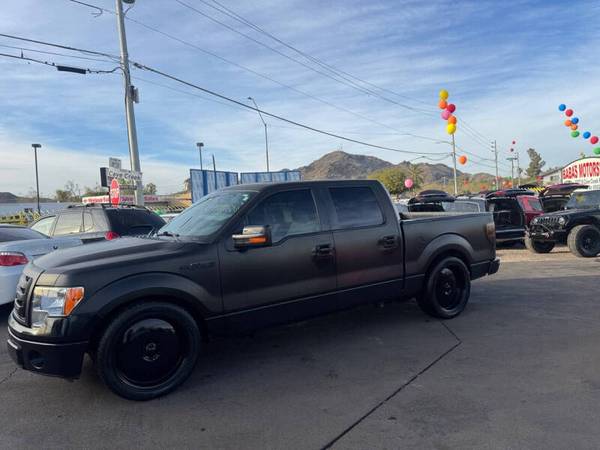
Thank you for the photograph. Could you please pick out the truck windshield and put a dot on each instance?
(208, 215)
(589, 199)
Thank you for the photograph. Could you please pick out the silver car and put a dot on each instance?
(18, 246)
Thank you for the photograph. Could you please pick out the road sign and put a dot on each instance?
(128, 176)
(115, 163)
(115, 192)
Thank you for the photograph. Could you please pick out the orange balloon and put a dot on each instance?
(452, 119)
(462, 159)
(443, 104)
(568, 123)
(573, 127)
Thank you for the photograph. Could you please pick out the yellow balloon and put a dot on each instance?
(451, 128)
(444, 94)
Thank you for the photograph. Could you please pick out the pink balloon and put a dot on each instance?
(408, 183)
(451, 107)
(445, 114)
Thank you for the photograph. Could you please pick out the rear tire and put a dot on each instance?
(148, 350)
(538, 246)
(584, 241)
(447, 289)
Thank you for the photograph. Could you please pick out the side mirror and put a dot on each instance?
(253, 236)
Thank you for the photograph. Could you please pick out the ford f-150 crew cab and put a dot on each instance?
(240, 258)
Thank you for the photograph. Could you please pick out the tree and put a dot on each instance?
(535, 163)
(62, 196)
(415, 172)
(150, 189)
(70, 193)
(392, 178)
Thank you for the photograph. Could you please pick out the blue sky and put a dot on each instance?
(507, 66)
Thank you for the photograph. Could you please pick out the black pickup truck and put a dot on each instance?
(241, 258)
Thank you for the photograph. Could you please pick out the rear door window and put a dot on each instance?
(355, 207)
(68, 223)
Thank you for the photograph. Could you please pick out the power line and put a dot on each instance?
(232, 14)
(247, 69)
(53, 53)
(58, 66)
(65, 47)
(275, 116)
(350, 83)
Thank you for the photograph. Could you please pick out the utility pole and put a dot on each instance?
(495, 150)
(37, 182)
(200, 145)
(215, 171)
(512, 160)
(266, 135)
(454, 161)
(518, 170)
(134, 155)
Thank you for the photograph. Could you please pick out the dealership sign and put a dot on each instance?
(585, 171)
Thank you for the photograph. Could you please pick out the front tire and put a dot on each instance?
(447, 289)
(584, 241)
(538, 246)
(148, 350)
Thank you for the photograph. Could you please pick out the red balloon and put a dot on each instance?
(594, 139)
(569, 112)
(451, 107)
(514, 142)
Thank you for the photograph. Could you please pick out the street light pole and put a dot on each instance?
(200, 145)
(134, 155)
(266, 135)
(37, 182)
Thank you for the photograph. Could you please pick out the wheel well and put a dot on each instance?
(101, 325)
(445, 254)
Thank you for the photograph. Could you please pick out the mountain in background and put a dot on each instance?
(339, 164)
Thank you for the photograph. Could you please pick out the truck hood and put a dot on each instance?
(568, 212)
(117, 252)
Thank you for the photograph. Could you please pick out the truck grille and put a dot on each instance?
(20, 306)
(549, 221)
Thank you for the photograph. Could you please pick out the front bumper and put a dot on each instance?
(547, 234)
(60, 360)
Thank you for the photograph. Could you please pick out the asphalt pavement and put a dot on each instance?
(520, 368)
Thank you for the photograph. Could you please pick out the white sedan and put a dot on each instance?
(18, 246)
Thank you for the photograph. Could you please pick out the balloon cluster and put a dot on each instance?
(448, 115)
(573, 124)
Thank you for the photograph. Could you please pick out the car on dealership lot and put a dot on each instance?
(556, 196)
(240, 258)
(98, 222)
(512, 209)
(18, 246)
(577, 226)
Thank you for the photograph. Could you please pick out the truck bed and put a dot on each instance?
(466, 229)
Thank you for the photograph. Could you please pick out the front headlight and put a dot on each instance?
(562, 221)
(53, 302)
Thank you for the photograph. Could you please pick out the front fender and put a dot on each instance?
(153, 284)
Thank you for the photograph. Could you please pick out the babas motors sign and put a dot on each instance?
(584, 171)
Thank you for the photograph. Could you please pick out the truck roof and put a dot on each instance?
(263, 186)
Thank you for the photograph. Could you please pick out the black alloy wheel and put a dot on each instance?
(584, 241)
(447, 289)
(148, 350)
